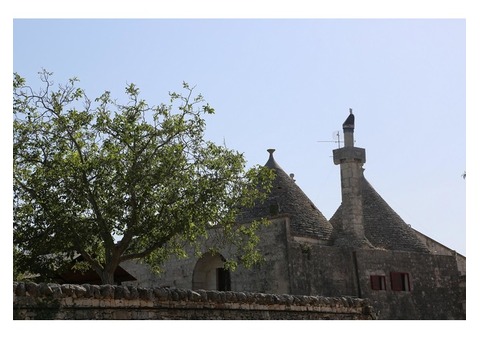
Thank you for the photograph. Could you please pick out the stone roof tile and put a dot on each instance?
(286, 198)
(384, 228)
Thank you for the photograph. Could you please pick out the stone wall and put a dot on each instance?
(269, 276)
(435, 293)
(107, 302)
(321, 270)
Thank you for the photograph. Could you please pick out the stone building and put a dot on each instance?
(365, 250)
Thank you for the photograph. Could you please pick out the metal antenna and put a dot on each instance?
(335, 137)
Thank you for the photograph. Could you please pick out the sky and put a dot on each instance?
(288, 84)
(284, 75)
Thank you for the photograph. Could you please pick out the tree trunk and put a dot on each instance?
(107, 277)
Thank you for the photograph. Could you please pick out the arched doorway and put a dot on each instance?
(209, 273)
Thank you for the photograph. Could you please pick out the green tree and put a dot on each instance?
(117, 182)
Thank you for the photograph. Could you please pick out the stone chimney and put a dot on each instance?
(351, 160)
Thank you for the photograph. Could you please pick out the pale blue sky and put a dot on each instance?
(287, 84)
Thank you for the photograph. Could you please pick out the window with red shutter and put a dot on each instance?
(377, 282)
(400, 281)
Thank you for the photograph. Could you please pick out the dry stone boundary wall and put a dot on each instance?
(108, 302)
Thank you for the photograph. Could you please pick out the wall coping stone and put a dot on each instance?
(28, 294)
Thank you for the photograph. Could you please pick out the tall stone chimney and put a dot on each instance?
(351, 160)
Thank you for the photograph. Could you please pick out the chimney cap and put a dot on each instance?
(271, 160)
(350, 121)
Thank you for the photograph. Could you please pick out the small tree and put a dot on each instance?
(118, 182)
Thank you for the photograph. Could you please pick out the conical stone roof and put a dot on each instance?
(383, 227)
(286, 198)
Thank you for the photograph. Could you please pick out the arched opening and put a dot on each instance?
(209, 273)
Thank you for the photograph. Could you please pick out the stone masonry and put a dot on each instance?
(108, 302)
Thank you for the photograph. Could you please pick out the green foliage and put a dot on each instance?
(114, 182)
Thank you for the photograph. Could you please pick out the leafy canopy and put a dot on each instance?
(114, 182)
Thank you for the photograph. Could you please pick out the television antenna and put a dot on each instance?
(335, 139)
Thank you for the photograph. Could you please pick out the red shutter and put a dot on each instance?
(396, 280)
(375, 281)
